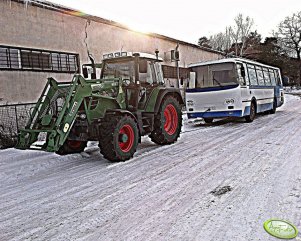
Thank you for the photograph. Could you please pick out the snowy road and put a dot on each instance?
(163, 193)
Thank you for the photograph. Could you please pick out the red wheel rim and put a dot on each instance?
(74, 144)
(126, 145)
(171, 119)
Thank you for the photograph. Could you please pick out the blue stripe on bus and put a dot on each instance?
(260, 108)
(215, 114)
(233, 113)
(211, 88)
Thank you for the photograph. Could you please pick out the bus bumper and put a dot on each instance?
(215, 114)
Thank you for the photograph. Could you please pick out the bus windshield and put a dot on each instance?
(215, 75)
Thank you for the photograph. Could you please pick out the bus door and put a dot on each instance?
(243, 81)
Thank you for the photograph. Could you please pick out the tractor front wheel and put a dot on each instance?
(71, 146)
(118, 138)
(168, 122)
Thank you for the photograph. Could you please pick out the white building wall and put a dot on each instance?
(41, 28)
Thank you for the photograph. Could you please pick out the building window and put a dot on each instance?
(13, 58)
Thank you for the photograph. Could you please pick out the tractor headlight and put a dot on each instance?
(83, 116)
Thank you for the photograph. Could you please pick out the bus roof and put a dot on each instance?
(229, 60)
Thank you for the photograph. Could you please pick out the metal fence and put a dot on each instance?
(12, 119)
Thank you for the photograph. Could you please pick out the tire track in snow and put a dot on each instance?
(152, 197)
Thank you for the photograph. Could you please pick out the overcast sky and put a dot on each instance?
(187, 19)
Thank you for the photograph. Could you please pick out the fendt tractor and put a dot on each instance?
(128, 100)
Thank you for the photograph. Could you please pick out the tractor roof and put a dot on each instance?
(119, 55)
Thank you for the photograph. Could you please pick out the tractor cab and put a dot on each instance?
(140, 73)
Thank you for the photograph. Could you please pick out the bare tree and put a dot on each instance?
(289, 37)
(233, 36)
(239, 33)
(221, 41)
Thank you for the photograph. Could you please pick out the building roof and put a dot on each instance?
(73, 12)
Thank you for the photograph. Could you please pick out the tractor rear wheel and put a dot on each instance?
(168, 122)
(118, 138)
(72, 146)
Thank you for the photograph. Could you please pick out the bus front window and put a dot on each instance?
(215, 75)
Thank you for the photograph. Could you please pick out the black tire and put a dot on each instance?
(208, 120)
(71, 146)
(168, 122)
(273, 111)
(118, 138)
(252, 115)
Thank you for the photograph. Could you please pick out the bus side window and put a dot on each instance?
(266, 76)
(252, 75)
(272, 77)
(259, 76)
(278, 80)
(241, 74)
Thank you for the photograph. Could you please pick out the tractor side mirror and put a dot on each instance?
(93, 75)
(181, 80)
(85, 72)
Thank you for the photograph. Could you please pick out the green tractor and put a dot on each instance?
(127, 101)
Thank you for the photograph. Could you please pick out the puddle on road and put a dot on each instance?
(221, 190)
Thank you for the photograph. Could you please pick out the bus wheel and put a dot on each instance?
(252, 115)
(273, 111)
(208, 120)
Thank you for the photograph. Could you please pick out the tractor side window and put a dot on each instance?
(143, 66)
(158, 71)
(146, 72)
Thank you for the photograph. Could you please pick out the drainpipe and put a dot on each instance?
(177, 65)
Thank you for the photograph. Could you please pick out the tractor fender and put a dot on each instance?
(168, 92)
(120, 111)
(125, 112)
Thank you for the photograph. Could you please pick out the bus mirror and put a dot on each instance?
(191, 84)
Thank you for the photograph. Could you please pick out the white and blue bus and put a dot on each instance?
(232, 87)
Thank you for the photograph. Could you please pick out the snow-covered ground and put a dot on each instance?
(164, 192)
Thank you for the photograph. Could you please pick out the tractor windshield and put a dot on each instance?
(120, 69)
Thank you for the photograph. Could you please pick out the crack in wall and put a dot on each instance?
(88, 22)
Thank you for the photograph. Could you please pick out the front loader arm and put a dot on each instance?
(55, 123)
